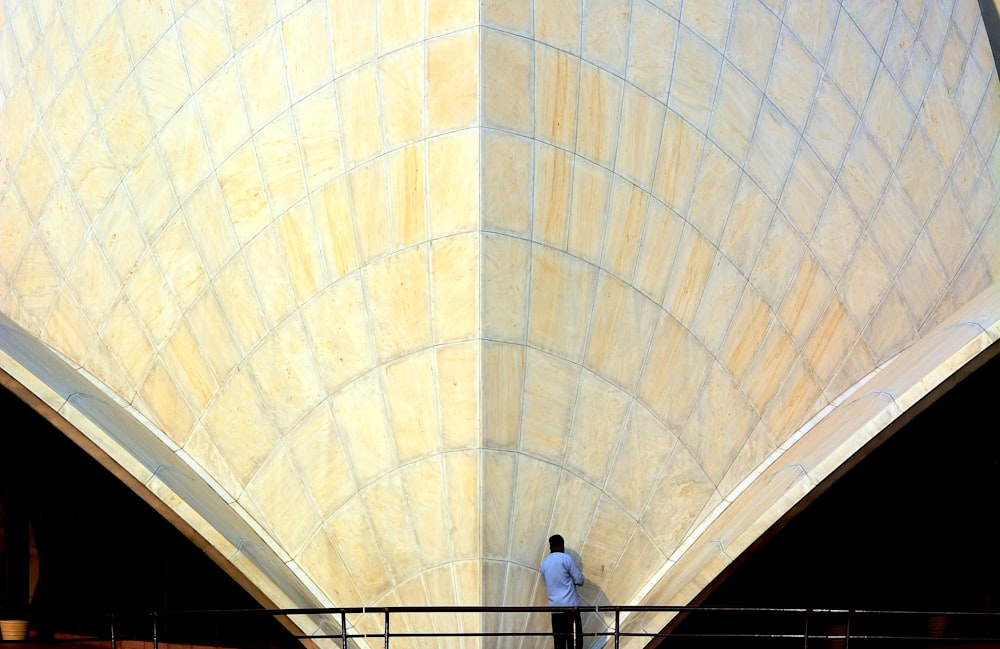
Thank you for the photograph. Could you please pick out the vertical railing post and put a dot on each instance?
(343, 628)
(156, 640)
(386, 629)
(111, 619)
(805, 633)
(847, 631)
(618, 627)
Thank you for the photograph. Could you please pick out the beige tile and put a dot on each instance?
(902, 36)
(126, 128)
(813, 24)
(123, 333)
(429, 511)
(873, 18)
(397, 289)
(830, 341)
(710, 20)
(941, 120)
(622, 325)
(142, 26)
(775, 356)
(337, 324)
(506, 190)
(890, 329)
(693, 84)
(673, 182)
(600, 104)
(779, 257)
(235, 290)
(320, 143)
(864, 174)
(360, 115)
(269, 275)
(837, 235)
(35, 175)
(660, 237)
(302, 251)
(805, 299)
(453, 191)
(588, 211)
(238, 425)
(949, 232)
(499, 471)
(887, 116)
(351, 533)
(853, 63)
(682, 492)
(447, 15)
(734, 112)
(220, 104)
(207, 219)
(67, 330)
(247, 19)
(62, 226)
(505, 262)
(92, 174)
(150, 295)
(895, 224)
(749, 324)
(557, 88)
(772, 151)
(18, 118)
(191, 373)
(368, 440)
(180, 263)
(653, 32)
(920, 173)
(503, 389)
(105, 62)
(458, 389)
(408, 386)
(160, 401)
(605, 34)
(199, 30)
(279, 157)
(210, 330)
(719, 303)
(830, 125)
(513, 16)
(746, 226)
(353, 27)
(307, 49)
(245, 194)
(805, 191)
(402, 83)
(640, 456)
(752, 39)
(558, 23)
(719, 425)
(163, 79)
(262, 66)
(400, 23)
(917, 75)
(550, 394)
(406, 170)
(507, 71)
(597, 424)
(714, 190)
(691, 270)
(641, 124)
(370, 209)
(609, 534)
(185, 151)
(455, 286)
(452, 81)
(561, 301)
(321, 560)
(37, 280)
(553, 184)
(798, 398)
(335, 228)
(626, 213)
(793, 81)
(674, 370)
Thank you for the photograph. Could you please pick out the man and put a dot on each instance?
(561, 579)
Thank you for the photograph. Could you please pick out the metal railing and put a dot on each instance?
(689, 626)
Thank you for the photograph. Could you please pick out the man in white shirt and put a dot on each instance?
(561, 579)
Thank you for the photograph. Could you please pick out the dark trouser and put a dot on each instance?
(562, 630)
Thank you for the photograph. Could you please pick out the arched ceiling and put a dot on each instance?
(376, 296)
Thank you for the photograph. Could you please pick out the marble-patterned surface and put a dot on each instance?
(409, 285)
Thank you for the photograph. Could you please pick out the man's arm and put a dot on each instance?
(574, 572)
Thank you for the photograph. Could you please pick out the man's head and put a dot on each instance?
(556, 543)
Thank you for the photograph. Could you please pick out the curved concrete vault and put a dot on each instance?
(375, 296)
